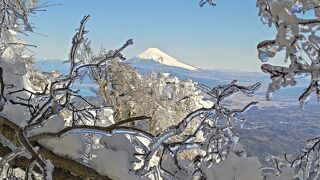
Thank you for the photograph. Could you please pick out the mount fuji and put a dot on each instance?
(154, 56)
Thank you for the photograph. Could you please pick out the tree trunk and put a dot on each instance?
(64, 168)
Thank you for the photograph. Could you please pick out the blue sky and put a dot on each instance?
(223, 37)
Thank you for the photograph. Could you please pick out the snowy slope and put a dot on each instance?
(155, 55)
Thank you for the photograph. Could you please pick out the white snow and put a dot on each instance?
(52, 125)
(114, 164)
(234, 167)
(71, 145)
(287, 174)
(17, 113)
(119, 142)
(155, 54)
(106, 117)
(49, 169)
(11, 63)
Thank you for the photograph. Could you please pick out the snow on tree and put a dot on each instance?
(296, 36)
(162, 97)
(51, 130)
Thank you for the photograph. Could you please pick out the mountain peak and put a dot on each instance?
(153, 49)
(155, 54)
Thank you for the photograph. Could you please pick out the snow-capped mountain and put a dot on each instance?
(155, 55)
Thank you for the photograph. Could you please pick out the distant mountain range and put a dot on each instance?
(52, 65)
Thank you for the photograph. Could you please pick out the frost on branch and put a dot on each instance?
(203, 2)
(298, 37)
(303, 166)
(14, 19)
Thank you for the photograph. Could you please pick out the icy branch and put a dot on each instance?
(295, 36)
(203, 2)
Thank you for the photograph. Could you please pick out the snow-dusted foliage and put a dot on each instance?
(162, 97)
(14, 19)
(297, 35)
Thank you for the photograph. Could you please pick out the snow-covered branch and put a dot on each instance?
(297, 37)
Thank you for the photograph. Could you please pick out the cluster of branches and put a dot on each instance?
(304, 166)
(298, 38)
(203, 2)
